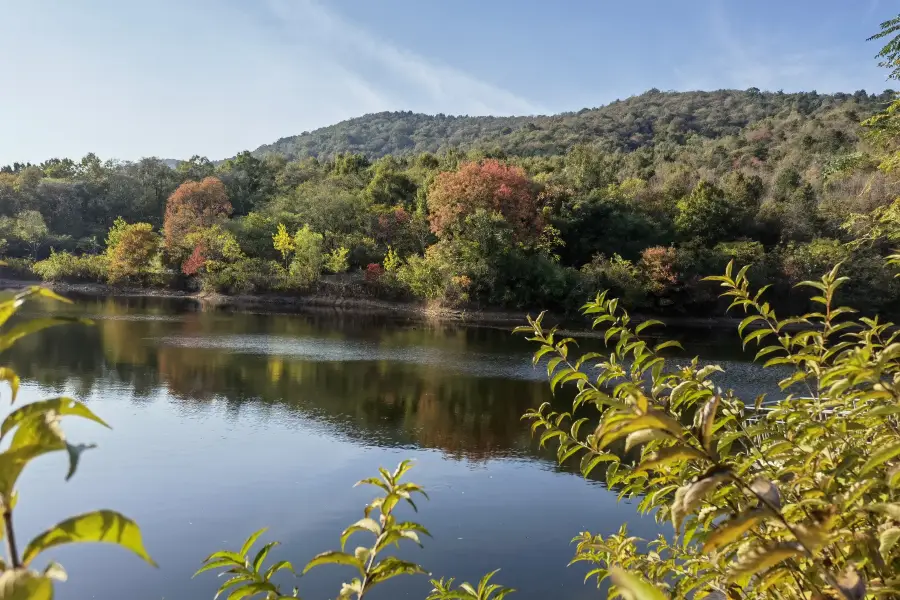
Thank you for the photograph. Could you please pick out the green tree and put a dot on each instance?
(306, 266)
(707, 214)
(30, 228)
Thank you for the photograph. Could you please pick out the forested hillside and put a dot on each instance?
(660, 119)
(644, 197)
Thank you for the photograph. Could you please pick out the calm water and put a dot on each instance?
(224, 423)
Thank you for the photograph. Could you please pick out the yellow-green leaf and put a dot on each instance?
(760, 558)
(887, 540)
(7, 374)
(731, 530)
(880, 457)
(248, 543)
(333, 557)
(653, 420)
(104, 526)
(667, 456)
(22, 584)
(636, 587)
(62, 406)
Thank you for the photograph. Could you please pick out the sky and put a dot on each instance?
(174, 78)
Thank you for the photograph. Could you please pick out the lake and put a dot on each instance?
(227, 422)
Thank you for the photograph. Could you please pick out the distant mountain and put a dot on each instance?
(649, 119)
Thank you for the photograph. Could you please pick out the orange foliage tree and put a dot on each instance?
(194, 205)
(490, 185)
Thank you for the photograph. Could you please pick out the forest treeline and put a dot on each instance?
(644, 197)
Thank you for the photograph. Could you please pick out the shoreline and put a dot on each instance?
(296, 304)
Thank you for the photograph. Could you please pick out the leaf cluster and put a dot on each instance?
(769, 499)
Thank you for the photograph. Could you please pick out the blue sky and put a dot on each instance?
(172, 78)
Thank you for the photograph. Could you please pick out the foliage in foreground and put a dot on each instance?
(247, 577)
(34, 430)
(789, 499)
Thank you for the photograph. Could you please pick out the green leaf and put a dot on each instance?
(637, 588)
(707, 420)
(99, 526)
(234, 557)
(668, 344)
(13, 461)
(366, 524)
(888, 539)
(333, 557)
(280, 565)
(61, 406)
(667, 456)
(590, 461)
(21, 584)
(252, 589)
(646, 324)
(245, 549)
(880, 457)
(761, 558)
(260, 557)
(392, 567)
(731, 530)
(216, 564)
(891, 510)
(237, 579)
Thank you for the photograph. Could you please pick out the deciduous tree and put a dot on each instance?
(194, 205)
(489, 185)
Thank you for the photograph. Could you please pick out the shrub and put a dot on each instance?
(62, 266)
(374, 273)
(245, 276)
(17, 268)
(336, 260)
(621, 277)
(793, 498)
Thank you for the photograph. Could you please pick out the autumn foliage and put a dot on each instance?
(195, 261)
(194, 205)
(134, 248)
(489, 185)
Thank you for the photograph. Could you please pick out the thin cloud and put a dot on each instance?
(392, 78)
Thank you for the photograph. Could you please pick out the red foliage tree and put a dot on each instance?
(195, 261)
(194, 205)
(490, 185)
(659, 264)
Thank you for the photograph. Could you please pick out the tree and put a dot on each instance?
(489, 185)
(194, 205)
(29, 227)
(283, 242)
(707, 214)
(196, 168)
(306, 267)
(336, 260)
(130, 249)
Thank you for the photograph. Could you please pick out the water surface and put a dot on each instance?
(227, 422)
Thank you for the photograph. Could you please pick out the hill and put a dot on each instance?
(650, 119)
